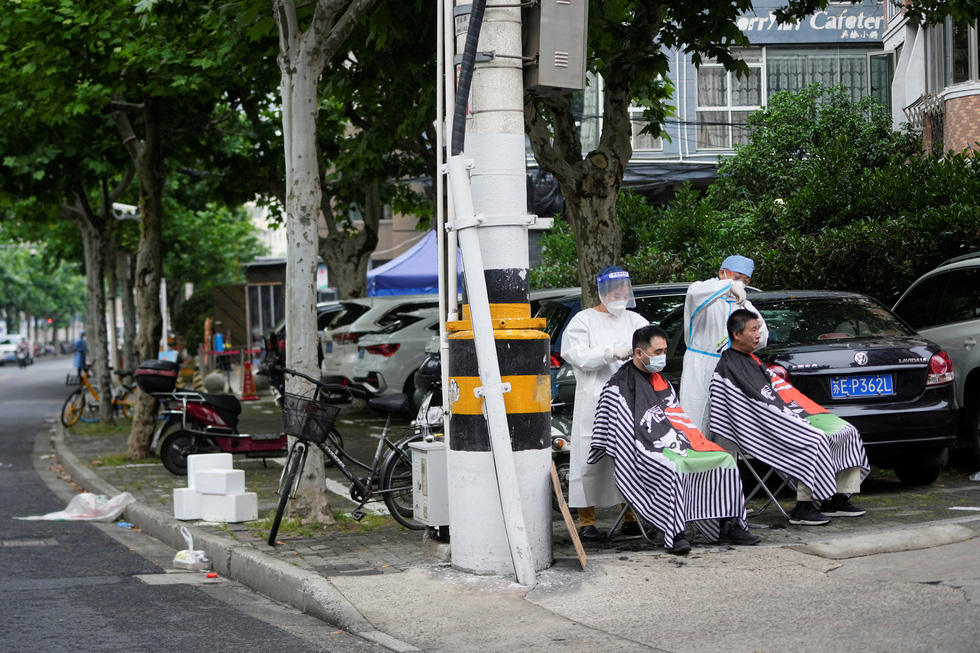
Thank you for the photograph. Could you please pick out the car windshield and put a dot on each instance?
(827, 319)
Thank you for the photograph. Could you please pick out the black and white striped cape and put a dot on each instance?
(633, 421)
(749, 407)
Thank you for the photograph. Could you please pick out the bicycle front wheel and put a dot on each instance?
(396, 484)
(287, 487)
(334, 442)
(74, 406)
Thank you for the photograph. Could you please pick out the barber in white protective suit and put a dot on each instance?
(595, 344)
(706, 309)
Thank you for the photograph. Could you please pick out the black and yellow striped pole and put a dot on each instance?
(522, 351)
(499, 386)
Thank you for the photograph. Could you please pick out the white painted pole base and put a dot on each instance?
(479, 539)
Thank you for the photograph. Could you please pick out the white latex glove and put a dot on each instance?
(738, 292)
(623, 353)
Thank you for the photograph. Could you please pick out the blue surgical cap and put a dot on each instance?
(740, 264)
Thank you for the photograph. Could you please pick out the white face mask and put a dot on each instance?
(616, 308)
(655, 363)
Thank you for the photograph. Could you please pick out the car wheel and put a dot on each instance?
(917, 475)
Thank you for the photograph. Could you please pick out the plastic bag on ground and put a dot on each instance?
(90, 507)
(189, 558)
(975, 477)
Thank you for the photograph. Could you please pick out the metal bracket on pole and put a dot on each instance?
(481, 57)
(481, 391)
(468, 164)
(482, 220)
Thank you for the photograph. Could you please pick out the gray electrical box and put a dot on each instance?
(555, 35)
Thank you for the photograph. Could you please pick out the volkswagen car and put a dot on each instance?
(863, 363)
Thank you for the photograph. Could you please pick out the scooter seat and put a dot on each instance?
(227, 403)
(389, 403)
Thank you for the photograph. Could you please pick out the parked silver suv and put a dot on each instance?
(944, 307)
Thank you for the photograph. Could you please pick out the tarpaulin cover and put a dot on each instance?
(414, 272)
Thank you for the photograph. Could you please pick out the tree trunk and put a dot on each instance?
(112, 286)
(95, 239)
(589, 184)
(147, 158)
(349, 255)
(125, 272)
(302, 57)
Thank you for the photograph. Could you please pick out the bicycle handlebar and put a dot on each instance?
(337, 387)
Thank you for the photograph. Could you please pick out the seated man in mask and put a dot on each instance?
(666, 469)
(776, 423)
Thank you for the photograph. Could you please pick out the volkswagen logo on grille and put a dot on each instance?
(861, 358)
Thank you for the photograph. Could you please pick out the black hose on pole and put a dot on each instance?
(466, 76)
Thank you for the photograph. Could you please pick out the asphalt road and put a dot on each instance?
(84, 586)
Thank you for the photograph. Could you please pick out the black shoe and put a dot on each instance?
(630, 529)
(804, 514)
(589, 534)
(681, 546)
(840, 506)
(732, 533)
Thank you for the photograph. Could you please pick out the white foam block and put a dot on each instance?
(219, 481)
(230, 507)
(187, 503)
(206, 461)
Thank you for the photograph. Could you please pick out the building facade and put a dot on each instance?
(936, 89)
(841, 45)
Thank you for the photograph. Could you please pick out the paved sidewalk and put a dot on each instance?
(373, 580)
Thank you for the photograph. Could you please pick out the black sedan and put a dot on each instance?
(859, 360)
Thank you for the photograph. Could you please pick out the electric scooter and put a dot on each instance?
(195, 422)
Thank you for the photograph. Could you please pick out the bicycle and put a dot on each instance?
(311, 420)
(87, 396)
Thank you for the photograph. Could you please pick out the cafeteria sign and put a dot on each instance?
(840, 24)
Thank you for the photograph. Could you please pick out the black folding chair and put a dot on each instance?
(746, 461)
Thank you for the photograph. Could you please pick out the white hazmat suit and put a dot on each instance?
(707, 308)
(589, 345)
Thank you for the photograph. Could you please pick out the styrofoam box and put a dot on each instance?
(206, 461)
(230, 507)
(187, 503)
(219, 481)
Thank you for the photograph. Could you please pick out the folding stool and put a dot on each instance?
(646, 529)
(747, 461)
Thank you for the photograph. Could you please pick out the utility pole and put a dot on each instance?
(500, 387)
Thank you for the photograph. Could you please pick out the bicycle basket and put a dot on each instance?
(306, 418)
(73, 379)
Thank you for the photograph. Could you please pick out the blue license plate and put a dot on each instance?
(329, 347)
(870, 385)
(360, 353)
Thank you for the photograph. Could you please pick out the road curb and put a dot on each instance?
(306, 591)
(896, 541)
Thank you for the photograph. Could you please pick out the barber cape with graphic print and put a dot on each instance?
(667, 471)
(776, 423)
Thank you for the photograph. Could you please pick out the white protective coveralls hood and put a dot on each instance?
(706, 309)
(588, 345)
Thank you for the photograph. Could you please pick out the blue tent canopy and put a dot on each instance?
(414, 272)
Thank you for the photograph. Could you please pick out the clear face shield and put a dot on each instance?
(615, 291)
